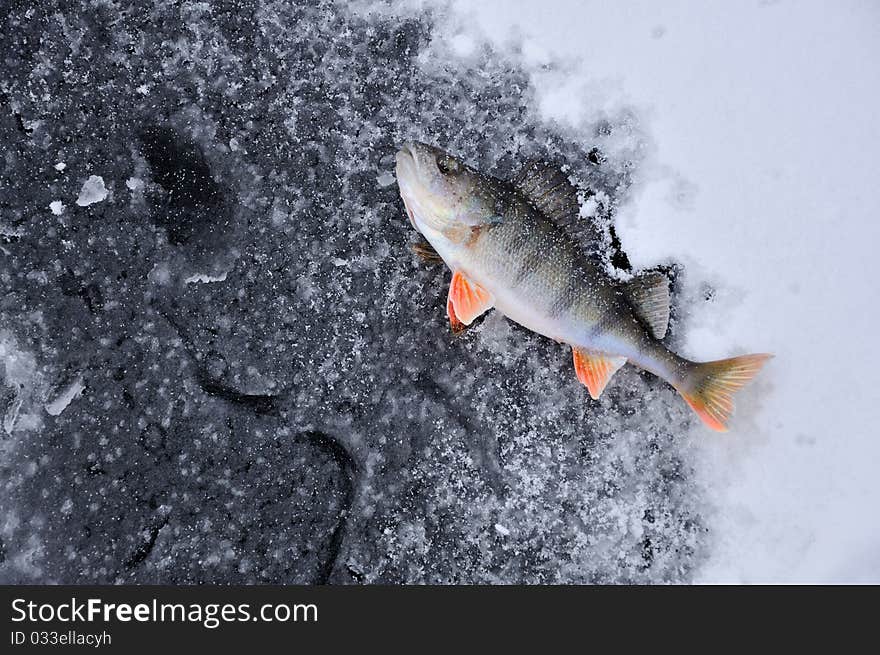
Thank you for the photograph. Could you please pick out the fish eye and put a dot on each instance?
(446, 164)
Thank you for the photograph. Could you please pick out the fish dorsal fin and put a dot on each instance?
(466, 301)
(548, 188)
(594, 369)
(648, 295)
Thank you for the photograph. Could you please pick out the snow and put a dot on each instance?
(93, 190)
(57, 207)
(60, 166)
(762, 182)
(502, 530)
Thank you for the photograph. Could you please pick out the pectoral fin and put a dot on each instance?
(594, 369)
(426, 253)
(466, 301)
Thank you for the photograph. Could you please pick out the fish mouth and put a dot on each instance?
(407, 174)
(406, 161)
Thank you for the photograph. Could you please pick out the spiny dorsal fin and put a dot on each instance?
(549, 190)
(648, 294)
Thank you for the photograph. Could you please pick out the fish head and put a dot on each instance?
(441, 193)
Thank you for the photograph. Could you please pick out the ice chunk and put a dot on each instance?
(203, 277)
(60, 166)
(385, 179)
(20, 384)
(160, 273)
(134, 183)
(57, 207)
(60, 403)
(92, 191)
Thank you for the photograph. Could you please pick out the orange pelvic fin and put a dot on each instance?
(466, 301)
(711, 386)
(594, 369)
(456, 325)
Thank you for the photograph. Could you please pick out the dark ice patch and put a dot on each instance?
(194, 206)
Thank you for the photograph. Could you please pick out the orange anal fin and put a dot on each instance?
(594, 369)
(467, 300)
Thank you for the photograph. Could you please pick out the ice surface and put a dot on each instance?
(93, 190)
(311, 418)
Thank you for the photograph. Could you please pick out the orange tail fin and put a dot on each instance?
(711, 386)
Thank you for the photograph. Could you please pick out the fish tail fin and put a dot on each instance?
(710, 386)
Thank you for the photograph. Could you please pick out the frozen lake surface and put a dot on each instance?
(223, 362)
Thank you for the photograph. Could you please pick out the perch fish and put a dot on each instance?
(511, 247)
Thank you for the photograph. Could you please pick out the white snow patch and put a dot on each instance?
(93, 190)
(463, 45)
(60, 166)
(588, 208)
(57, 207)
(134, 183)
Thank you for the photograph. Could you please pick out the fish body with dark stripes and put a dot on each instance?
(512, 246)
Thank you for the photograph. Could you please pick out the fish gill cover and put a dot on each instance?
(226, 364)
